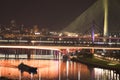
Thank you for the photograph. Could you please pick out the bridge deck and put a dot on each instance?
(57, 47)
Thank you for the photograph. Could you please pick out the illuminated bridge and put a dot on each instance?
(65, 41)
(55, 52)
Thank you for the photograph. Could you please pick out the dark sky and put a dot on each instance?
(45, 13)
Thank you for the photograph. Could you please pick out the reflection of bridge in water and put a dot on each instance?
(45, 52)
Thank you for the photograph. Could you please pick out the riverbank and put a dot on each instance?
(4, 78)
(98, 63)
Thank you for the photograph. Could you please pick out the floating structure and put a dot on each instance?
(23, 67)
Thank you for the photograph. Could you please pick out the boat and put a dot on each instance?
(23, 67)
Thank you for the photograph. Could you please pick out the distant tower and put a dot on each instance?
(93, 32)
(105, 18)
(13, 24)
(22, 27)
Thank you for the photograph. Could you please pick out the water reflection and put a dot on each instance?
(102, 74)
(55, 70)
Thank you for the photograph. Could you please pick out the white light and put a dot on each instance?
(37, 33)
(60, 34)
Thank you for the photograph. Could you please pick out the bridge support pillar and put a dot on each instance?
(92, 51)
(6, 55)
(46, 52)
(17, 53)
(28, 56)
(59, 55)
(35, 51)
(41, 52)
(56, 54)
(51, 52)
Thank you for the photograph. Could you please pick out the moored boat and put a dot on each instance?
(23, 67)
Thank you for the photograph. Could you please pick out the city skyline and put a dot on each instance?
(51, 14)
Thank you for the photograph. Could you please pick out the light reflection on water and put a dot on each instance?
(55, 70)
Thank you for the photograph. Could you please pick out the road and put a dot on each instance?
(57, 47)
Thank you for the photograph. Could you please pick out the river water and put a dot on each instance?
(54, 70)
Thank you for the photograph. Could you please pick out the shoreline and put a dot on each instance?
(94, 62)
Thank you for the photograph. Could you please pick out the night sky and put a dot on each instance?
(51, 14)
